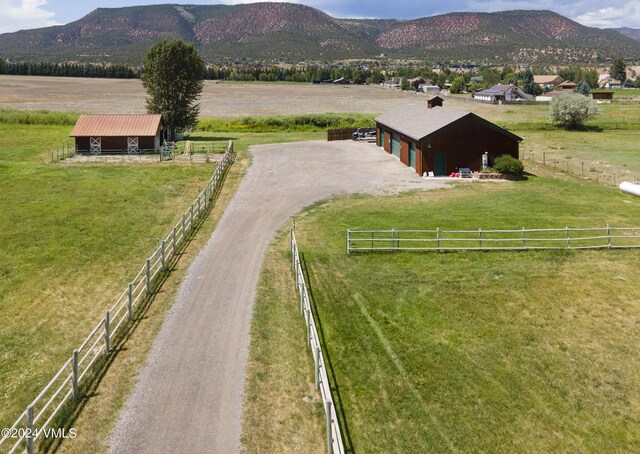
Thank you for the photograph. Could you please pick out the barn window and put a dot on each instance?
(132, 145)
(95, 145)
(381, 144)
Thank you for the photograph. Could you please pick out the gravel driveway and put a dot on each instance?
(188, 398)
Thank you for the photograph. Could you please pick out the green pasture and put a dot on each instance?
(477, 352)
(73, 235)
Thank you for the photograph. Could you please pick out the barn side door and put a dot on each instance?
(95, 145)
(440, 164)
(132, 145)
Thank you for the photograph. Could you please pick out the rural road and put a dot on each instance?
(188, 398)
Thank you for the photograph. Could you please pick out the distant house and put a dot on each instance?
(567, 85)
(606, 81)
(548, 81)
(439, 139)
(119, 133)
(428, 88)
(392, 83)
(502, 93)
(548, 96)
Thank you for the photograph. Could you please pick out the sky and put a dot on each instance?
(24, 14)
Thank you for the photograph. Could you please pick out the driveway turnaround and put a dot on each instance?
(188, 398)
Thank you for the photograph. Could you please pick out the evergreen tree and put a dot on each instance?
(172, 75)
(618, 70)
(528, 85)
(583, 87)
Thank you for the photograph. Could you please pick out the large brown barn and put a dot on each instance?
(432, 138)
(119, 133)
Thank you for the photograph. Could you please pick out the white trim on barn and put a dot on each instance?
(95, 144)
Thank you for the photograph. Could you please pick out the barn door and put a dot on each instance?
(395, 146)
(132, 145)
(440, 164)
(412, 155)
(95, 145)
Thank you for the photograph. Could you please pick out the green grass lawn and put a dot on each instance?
(479, 352)
(72, 237)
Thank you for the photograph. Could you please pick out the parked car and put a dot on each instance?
(367, 134)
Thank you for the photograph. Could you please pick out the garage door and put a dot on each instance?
(395, 146)
(412, 155)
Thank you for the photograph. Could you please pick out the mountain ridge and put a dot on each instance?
(294, 32)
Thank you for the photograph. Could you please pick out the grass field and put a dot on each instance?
(475, 352)
(72, 236)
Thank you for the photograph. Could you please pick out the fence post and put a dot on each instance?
(162, 248)
(317, 358)
(309, 327)
(568, 239)
(29, 435)
(480, 236)
(148, 276)
(348, 241)
(184, 226)
(524, 240)
(582, 171)
(130, 302)
(173, 240)
(393, 239)
(327, 405)
(609, 236)
(544, 158)
(206, 188)
(75, 375)
(438, 237)
(191, 219)
(107, 329)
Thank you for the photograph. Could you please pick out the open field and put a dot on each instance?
(219, 99)
(473, 352)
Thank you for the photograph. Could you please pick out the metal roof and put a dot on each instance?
(417, 121)
(134, 125)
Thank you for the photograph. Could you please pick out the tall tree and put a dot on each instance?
(172, 75)
(528, 85)
(618, 70)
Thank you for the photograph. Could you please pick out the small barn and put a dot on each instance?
(441, 140)
(119, 133)
(602, 96)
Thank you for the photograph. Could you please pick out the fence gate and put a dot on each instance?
(95, 145)
(132, 145)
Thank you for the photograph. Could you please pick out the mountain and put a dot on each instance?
(632, 33)
(294, 32)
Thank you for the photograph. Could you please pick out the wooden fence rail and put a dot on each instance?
(334, 436)
(493, 240)
(65, 386)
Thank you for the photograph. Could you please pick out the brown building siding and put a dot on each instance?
(115, 143)
(462, 143)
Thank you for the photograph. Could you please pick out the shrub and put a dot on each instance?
(572, 111)
(509, 165)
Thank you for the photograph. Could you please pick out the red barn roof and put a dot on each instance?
(134, 125)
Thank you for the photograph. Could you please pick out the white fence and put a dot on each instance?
(36, 421)
(334, 436)
(492, 240)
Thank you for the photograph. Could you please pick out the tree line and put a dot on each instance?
(373, 72)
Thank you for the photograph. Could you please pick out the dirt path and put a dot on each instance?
(189, 396)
